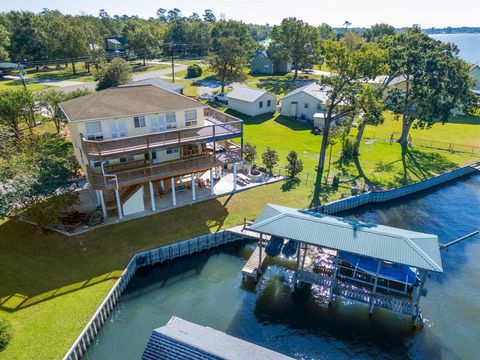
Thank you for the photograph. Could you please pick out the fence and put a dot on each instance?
(382, 196)
(431, 144)
(145, 258)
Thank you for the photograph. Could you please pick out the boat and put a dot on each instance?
(290, 248)
(389, 271)
(274, 246)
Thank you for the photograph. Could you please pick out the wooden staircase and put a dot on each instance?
(125, 194)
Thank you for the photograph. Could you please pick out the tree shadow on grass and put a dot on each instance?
(292, 123)
(40, 267)
(279, 87)
(290, 184)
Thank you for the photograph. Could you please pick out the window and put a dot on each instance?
(127, 158)
(94, 130)
(260, 104)
(123, 160)
(269, 103)
(139, 121)
(306, 105)
(154, 155)
(319, 106)
(171, 121)
(157, 123)
(173, 151)
(191, 118)
(118, 129)
(99, 163)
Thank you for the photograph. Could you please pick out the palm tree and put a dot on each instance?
(347, 24)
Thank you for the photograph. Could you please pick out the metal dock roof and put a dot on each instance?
(387, 243)
(181, 339)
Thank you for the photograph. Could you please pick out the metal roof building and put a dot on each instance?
(181, 339)
(158, 83)
(387, 243)
(251, 102)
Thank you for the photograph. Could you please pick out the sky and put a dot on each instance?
(361, 13)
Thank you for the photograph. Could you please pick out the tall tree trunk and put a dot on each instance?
(296, 71)
(406, 125)
(361, 128)
(73, 69)
(144, 60)
(321, 162)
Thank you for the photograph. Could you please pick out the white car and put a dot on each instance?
(222, 97)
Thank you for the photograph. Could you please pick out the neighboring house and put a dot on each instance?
(136, 143)
(263, 64)
(251, 102)
(475, 74)
(115, 44)
(306, 101)
(158, 83)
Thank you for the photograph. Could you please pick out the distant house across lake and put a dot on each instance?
(475, 74)
(115, 43)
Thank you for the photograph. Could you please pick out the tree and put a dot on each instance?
(161, 14)
(352, 40)
(436, 79)
(50, 99)
(378, 31)
(116, 73)
(143, 39)
(209, 16)
(270, 159)
(297, 41)
(229, 61)
(194, 71)
(249, 153)
(236, 31)
(43, 166)
(347, 24)
(45, 210)
(350, 69)
(17, 107)
(294, 165)
(326, 32)
(4, 43)
(6, 333)
(370, 106)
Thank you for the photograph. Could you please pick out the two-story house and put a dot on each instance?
(136, 144)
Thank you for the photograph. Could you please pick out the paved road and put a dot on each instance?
(71, 85)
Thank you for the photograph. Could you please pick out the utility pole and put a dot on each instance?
(20, 75)
(173, 65)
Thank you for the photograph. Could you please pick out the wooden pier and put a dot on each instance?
(253, 267)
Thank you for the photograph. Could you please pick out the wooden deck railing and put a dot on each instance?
(164, 170)
(221, 127)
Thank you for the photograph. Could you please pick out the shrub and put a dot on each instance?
(249, 152)
(5, 333)
(294, 166)
(194, 71)
(270, 159)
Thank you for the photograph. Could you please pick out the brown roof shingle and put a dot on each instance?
(126, 101)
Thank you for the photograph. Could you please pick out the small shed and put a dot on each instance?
(304, 102)
(251, 102)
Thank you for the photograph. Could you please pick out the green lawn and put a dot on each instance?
(52, 284)
(17, 85)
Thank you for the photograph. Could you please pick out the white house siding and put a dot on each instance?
(475, 74)
(135, 203)
(301, 99)
(253, 108)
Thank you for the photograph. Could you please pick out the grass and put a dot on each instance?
(51, 284)
(17, 85)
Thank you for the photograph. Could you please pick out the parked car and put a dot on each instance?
(222, 97)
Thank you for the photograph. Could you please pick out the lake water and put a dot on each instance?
(207, 289)
(469, 45)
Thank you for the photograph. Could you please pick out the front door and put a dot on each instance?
(155, 157)
(293, 109)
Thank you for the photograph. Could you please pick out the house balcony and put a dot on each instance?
(138, 172)
(218, 126)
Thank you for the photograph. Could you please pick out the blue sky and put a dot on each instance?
(428, 13)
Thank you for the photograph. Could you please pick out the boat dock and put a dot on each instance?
(475, 166)
(252, 268)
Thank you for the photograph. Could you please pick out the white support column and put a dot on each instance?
(162, 185)
(102, 203)
(174, 199)
(152, 196)
(334, 280)
(211, 182)
(234, 176)
(379, 265)
(193, 187)
(119, 204)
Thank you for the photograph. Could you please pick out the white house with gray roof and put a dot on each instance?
(306, 101)
(251, 102)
